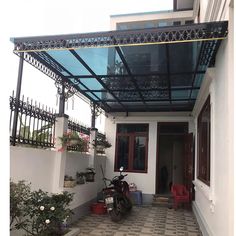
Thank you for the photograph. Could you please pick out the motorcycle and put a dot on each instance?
(116, 196)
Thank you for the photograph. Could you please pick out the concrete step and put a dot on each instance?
(163, 200)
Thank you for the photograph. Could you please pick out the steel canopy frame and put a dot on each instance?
(142, 96)
(162, 35)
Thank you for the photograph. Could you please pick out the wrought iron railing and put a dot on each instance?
(84, 133)
(75, 126)
(31, 124)
(35, 126)
(101, 135)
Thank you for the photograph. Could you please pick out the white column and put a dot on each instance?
(60, 160)
(93, 134)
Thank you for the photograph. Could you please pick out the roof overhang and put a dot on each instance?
(156, 69)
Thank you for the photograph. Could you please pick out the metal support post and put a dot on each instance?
(93, 116)
(62, 101)
(18, 90)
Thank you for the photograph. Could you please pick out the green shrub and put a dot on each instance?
(41, 213)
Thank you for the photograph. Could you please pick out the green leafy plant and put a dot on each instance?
(102, 142)
(19, 193)
(41, 213)
(75, 139)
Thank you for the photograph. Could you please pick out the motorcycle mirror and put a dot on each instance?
(121, 168)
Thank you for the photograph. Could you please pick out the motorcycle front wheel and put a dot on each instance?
(117, 211)
(127, 203)
(115, 215)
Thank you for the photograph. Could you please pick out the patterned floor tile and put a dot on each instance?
(142, 221)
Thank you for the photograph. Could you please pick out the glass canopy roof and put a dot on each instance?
(140, 70)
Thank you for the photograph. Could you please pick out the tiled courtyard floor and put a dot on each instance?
(142, 221)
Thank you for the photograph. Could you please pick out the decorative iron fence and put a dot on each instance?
(83, 132)
(101, 136)
(35, 123)
(36, 126)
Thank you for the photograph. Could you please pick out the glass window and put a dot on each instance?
(132, 147)
(203, 129)
(139, 153)
(123, 151)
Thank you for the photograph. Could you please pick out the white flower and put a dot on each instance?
(47, 221)
(52, 208)
(41, 208)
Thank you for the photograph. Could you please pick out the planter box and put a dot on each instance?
(69, 183)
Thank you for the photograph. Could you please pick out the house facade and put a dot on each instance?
(165, 82)
(158, 140)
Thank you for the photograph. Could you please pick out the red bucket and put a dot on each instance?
(98, 208)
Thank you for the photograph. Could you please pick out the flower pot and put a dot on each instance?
(100, 149)
(89, 176)
(80, 180)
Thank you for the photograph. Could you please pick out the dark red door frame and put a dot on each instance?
(158, 143)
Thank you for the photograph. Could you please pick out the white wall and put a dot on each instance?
(33, 165)
(76, 162)
(88, 191)
(213, 10)
(80, 161)
(215, 203)
(144, 181)
(37, 166)
(165, 15)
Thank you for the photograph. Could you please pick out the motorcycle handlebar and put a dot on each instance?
(119, 177)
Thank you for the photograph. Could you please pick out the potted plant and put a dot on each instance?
(89, 175)
(80, 177)
(69, 182)
(101, 144)
(74, 141)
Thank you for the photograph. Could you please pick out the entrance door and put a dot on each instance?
(170, 155)
(189, 164)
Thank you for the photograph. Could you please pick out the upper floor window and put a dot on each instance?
(203, 131)
(132, 147)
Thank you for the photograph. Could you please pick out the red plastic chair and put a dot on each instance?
(180, 194)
